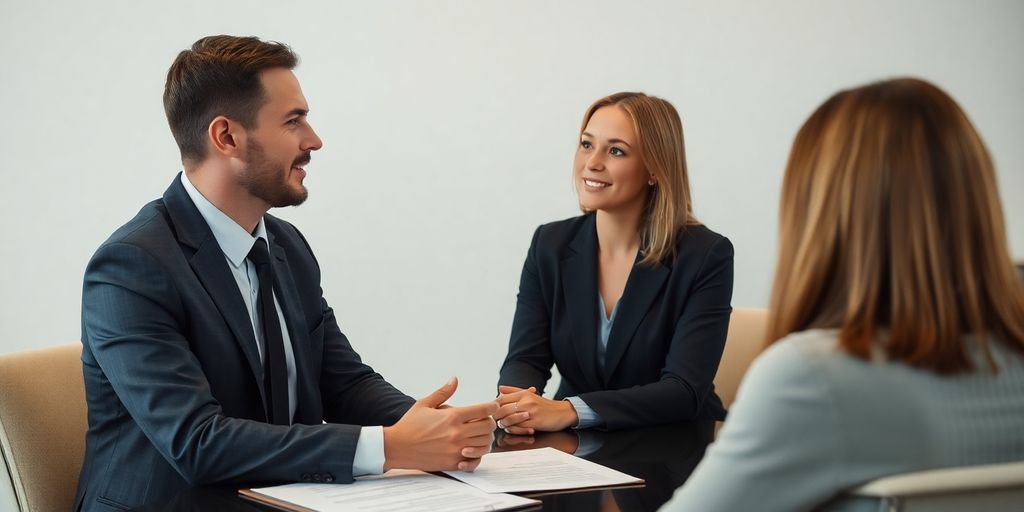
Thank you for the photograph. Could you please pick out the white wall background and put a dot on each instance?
(449, 128)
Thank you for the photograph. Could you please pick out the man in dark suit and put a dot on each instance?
(209, 352)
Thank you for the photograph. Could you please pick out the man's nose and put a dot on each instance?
(312, 141)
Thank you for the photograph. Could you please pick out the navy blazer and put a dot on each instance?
(173, 377)
(666, 342)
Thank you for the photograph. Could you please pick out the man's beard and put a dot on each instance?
(266, 180)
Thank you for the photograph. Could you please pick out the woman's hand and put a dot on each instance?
(567, 441)
(523, 411)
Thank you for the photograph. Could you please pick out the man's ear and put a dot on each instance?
(226, 137)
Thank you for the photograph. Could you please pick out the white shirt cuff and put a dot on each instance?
(369, 458)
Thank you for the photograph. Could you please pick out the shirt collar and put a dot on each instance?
(233, 240)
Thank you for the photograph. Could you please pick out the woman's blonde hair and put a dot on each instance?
(891, 230)
(659, 133)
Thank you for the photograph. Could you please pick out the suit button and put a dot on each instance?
(328, 478)
(316, 477)
(305, 477)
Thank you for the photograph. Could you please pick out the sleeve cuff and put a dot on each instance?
(588, 418)
(369, 458)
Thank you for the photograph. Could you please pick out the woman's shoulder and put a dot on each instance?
(816, 355)
(570, 225)
(699, 236)
(811, 341)
(698, 243)
(561, 232)
(799, 355)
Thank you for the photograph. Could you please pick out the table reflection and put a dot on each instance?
(664, 456)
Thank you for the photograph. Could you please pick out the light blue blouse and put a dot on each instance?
(588, 417)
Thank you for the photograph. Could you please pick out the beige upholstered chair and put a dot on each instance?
(42, 428)
(992, 488)
(744, 342)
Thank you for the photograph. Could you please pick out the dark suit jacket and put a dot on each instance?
(173, 377)
(665, 344)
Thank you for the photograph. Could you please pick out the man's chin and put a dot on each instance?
(292, 201)
(293, 197)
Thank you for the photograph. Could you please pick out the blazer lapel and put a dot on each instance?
(211, 268)
(642, 287)
(298, 331)
(579, 284)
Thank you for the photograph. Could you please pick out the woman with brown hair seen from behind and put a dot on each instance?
(897, 320)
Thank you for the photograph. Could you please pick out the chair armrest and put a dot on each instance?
(945, 481)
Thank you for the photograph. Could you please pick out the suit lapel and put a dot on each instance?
(642, 287)
(298, 331)
(579, 285)
(211, 268)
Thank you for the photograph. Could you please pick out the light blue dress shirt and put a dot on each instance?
(588, 417)
(235, 242)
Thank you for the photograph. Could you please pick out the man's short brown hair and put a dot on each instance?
(219, 75)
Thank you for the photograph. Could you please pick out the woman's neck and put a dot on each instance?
(618, 233)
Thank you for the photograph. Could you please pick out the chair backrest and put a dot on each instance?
(743, 343)
(42, 426)
(991, 487)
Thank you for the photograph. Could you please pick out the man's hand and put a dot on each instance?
(524, 412)
(434, 437)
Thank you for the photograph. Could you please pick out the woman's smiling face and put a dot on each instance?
(609, 172)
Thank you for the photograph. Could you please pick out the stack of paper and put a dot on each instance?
(396, 490)
(544, 469)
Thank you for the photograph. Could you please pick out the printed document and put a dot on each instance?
(396, 490)
(542, 469)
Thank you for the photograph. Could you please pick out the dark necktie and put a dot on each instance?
(275, 369)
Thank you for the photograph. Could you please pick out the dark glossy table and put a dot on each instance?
(664, 456)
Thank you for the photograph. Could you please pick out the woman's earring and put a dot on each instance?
(651, 181)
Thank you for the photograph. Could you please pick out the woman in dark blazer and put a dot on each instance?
(631, 300)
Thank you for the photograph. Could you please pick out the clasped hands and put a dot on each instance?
(433, 436)
(523, 412)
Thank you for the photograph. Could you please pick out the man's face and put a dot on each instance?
(280, 145)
